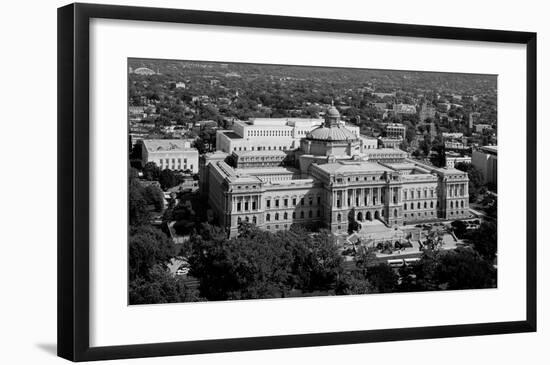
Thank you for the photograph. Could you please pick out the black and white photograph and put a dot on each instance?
(259, 181)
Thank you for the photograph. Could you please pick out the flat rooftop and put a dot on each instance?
(268, 170)
(352, 167)
(167, 145)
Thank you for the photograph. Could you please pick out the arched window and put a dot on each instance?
(302, 214)
(254, 220)
(431, 204)
(452, 205)
(395, 212)
(412, 205)
(418, 205)
(293, 215)
(462, 204)
(276, 216)
(285, 216)
(339, 217)
(425, 205)
(268, 217)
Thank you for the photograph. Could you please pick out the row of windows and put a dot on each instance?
(285, 215)
(419, 205)
(247, 220)
(294, 202)
(176, 163)
(262, 148)
(412, 215)
(420, 215)
(269, 133)
(365, 178)
(455, 204)
(246, 206)
(411, 194)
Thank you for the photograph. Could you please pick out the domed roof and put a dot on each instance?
(333, 112)
(333, 133)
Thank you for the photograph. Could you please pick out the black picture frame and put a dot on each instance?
(74, 181)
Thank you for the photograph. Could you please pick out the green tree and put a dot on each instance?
(148, 247)
(151, 171)
(459, 228)
(161, 287)
(484, 240)
(167, 179)
(382, 278)
(138, 213)
(154, 196)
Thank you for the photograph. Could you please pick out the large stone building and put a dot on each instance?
(173, 154)
(266, 134)
(329, 180)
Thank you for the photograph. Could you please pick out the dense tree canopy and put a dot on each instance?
(259, 264)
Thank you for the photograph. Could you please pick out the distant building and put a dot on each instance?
(427, 111)
(173, 154)
(452, 135)
(380, 107)
(485, 159)
(444, 107)
(385, 142)
(383, 95)
(451, 159)
(267, 134)
(473, 118)
(144, 71)
(481, 127)
(404, 109)
(455, 145)
(368, 143)
(395, 130)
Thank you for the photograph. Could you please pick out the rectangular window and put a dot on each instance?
(268, 203)
(238, 207)
(286, 202)
(277, 203)
(253, 205)
(294, 201)
(246, 206)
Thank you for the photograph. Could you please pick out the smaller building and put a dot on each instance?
(452, 158)
(485, 160)
(173, 154)
(396, 130)
(481, 127)
(404, 109)
(385, 142)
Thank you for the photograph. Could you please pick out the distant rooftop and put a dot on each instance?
(490, 149)
(159, 145)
